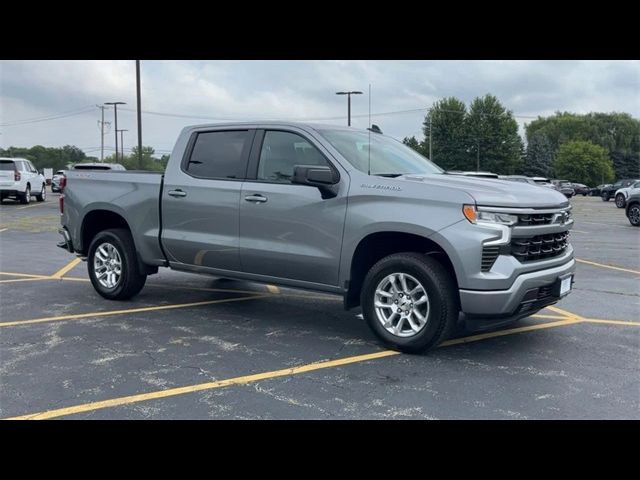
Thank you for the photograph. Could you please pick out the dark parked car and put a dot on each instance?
(633, 209)
(597, 191)
(565, 187)
(608, 192)
(580, 189)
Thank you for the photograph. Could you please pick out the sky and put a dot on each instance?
(53, 103)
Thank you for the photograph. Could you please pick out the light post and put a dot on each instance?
(121, 144)
(348, 94)
(115, 113)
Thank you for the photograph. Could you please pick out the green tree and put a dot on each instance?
(583, 162)
(539, 156)
(492, 137)
(409, 142)
(446, 123)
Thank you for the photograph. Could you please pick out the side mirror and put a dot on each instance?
(320, 176)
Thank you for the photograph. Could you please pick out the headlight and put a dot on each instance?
(474, 216)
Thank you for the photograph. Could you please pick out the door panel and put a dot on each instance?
(286, 230)
(200, 216)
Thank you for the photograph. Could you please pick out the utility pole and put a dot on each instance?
(348, 94)
(122, 143)
(430, 154)
(115, 112)
(139, 114)
(102, 124)
(478, 157)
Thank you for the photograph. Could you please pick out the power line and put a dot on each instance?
(47, 118)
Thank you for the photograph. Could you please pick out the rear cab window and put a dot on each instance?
(219, 154)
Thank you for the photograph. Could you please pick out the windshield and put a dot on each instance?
(388, 156)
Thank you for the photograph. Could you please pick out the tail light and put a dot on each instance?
(16, 176)
(62, 181)
(61, 204)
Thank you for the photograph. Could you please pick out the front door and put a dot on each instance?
(289, 231)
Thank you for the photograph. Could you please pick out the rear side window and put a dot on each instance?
(7, 166)
(219, 154)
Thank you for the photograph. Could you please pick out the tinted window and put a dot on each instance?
(281, 151)
(219, 154)
(7, 166)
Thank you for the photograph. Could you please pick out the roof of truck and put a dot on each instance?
(313, 125)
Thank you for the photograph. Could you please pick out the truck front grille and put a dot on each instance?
(535, 219)
(489, 256)
(539, 247)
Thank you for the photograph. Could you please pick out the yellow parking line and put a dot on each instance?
(67, 268)
(273, 289)
(27, 275)
(39, 204)
(13, 280)
(510, 331)
(171, 392)
(552, 317)
(612, 267)
(567, 314)
(79, 316)
(611, 322)
(92, 406)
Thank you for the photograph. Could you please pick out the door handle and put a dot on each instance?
(257, 198)
(177, 193)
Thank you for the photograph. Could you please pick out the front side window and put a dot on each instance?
(378, 154)
(219, 154)
(281, 152)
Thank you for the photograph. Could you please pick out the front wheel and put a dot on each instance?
(634, 215)
(410, 301)
(620, 201)
(25, 198)
(113, 265)
(605, 197)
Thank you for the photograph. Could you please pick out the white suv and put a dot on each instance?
(19, 179)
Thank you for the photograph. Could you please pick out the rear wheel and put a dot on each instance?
(620, 201)
(113, 265)
(634, 214)
(42, 196)
(410, 302)
(605, 197)
(26, 196)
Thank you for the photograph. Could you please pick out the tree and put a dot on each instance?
(446, 123)
(539, 156)
(492, 137)
(583, 162)
(409, 142)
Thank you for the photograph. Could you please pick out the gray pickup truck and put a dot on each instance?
(330, 209)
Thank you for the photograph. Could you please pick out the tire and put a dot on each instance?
(25, 198)
(620, 201)
(605, 197)
(42, 196)
(130, 280)
(441, 313)
(634, 214)
(584, 194)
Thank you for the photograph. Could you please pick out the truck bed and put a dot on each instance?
(134, 195)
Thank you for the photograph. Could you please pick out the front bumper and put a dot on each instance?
(529, 293)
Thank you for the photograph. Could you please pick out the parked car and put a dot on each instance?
(597, 191)
(633, 209)
(57, 182)
(564, 186)
(98, 166)
(580, 189)
(609, 191)
(545, 182)
(623, 193)
(473, 174)
(518, 178)
(20, 180)
(331, 209)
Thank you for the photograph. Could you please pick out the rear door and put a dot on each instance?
(289, 231)
(201, 197)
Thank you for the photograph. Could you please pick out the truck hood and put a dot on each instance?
(494, 192)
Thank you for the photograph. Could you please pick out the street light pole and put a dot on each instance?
(122, 143)
(139, 114)
(348, 94)
(478, 157)
(115, 113)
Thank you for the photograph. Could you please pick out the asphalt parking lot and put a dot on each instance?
(197, 347)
